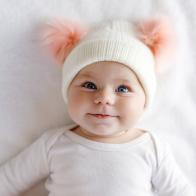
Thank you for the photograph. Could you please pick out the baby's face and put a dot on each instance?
(106, 88)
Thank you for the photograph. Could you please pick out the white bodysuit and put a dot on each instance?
(77, 166)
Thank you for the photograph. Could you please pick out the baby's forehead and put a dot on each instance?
(107, 67)
(108, 71)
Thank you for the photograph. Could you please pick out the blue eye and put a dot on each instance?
(123, 89)
(89, 85)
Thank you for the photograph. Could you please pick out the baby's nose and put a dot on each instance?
(105, 96)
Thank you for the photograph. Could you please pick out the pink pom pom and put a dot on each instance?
(62, 37)
(158, 35)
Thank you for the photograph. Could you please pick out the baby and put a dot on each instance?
(109, 81)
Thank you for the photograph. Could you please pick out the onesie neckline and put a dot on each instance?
(102, 145)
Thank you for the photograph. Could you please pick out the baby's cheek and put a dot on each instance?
(80, 98)
(77, 100)
(131, 108)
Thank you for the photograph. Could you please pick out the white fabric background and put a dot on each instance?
(30, 96)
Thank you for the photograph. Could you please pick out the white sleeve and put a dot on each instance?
(23, 171)
(168, 179)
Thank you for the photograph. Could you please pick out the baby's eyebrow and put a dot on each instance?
(124, 80)
(86, 75)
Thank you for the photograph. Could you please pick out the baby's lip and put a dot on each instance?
(102, 115)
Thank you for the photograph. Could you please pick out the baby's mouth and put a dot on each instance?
(102, 116)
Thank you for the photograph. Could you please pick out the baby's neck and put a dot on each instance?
(122, 137)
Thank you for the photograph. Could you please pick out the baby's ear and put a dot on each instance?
(158, 34)
(61, 37)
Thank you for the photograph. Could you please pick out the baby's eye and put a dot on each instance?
(89, 85)
(123, 89)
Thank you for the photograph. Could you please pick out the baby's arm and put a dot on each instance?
(168, 179)
(24, 170)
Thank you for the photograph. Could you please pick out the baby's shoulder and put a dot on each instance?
(161, 147)
(51, 136)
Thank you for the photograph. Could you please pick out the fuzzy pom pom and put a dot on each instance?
(62, 36)
(158, 35)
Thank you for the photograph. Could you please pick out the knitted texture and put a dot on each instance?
(112, 41)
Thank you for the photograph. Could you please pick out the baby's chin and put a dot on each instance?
(103, 129)
(103, 133)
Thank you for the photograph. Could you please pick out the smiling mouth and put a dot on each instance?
(102, 116)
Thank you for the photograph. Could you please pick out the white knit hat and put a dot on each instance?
(117, 41)
(114, 41)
